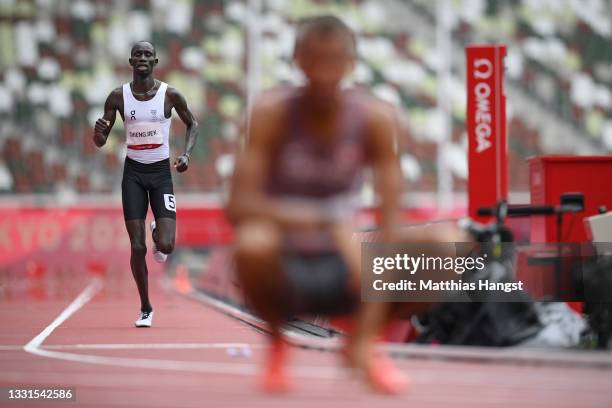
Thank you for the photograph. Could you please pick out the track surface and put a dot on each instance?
(195, 356)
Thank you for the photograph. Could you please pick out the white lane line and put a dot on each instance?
(249, 369)
(155, 346)
(10, 348)
(85, 296)
(34, 347)
(316, 372)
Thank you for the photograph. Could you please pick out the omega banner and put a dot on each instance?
(486, 123)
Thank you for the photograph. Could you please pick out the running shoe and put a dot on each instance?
(159, 256)
(144, 320)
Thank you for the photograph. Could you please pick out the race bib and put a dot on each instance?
(170, 202)
(141, 136)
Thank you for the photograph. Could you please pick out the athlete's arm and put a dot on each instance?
(104, 125)
(180, 105)
(386, 167)
(248, 199)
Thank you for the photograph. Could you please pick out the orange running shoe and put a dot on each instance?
(384, 377)
(275, 378)
(377, 368)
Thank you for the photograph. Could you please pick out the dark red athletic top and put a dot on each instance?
(304, 166)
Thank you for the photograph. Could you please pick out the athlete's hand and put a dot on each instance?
(181, 163)
(100, 130)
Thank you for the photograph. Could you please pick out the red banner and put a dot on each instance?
(82, 235)
(486, 123)
(90, 237)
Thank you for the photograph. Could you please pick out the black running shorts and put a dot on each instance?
(147, 182)
(318, 284)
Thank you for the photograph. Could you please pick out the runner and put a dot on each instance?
(145, 105)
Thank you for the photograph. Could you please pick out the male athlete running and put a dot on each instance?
(290, 199)
(145, 105)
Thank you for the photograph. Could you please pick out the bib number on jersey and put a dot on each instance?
(142, 136)
(170, 202)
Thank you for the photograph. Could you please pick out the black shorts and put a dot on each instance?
(318, 284)
(147, 182)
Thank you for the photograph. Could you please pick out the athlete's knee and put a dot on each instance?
(165, 245)
(257, 239)
(138, 249)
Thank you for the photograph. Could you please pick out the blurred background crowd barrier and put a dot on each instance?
(59, 59)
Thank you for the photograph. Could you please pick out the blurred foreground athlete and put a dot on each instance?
(291, 201)
(145, 105)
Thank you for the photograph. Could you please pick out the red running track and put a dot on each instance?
(189, 359)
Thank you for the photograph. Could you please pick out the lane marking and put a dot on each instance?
(34, 347)
(141, 346)
(10, 348)
(152, 346)
(312, 372)
(85, 296)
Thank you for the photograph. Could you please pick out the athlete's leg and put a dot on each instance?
(369, 320)
(135, 205)
(136, 230)
(257, 254)
(373, 317)
(163, 204)
(164, 234)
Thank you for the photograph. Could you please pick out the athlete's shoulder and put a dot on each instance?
(274, 101)
(268, 118)
(172, 91)
(175, 96)
(115, 97)
(117, 91)
(370, 106)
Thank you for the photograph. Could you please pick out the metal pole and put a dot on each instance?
(443, 45)
(253, 54)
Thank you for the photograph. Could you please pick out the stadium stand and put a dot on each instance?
(53, 80)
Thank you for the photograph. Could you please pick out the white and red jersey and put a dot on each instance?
(146, 127)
